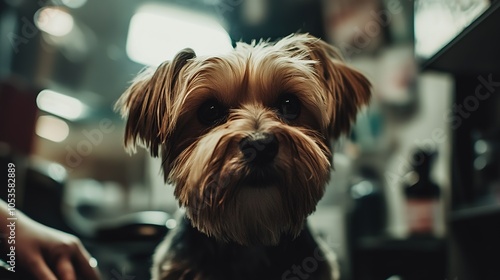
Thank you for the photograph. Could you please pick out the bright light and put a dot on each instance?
(171, 223)
(54, 21)
(52, 128)
(59, 104)
(157, 33)
(57, 171)
(436, 24)
(433, 29)
(74, 3)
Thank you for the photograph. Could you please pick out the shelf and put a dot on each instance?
(475, 50)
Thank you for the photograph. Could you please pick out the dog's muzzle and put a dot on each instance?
(259, 148)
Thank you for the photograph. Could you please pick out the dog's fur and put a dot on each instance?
(245, 219)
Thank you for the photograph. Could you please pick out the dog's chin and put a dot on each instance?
(260, 177)
(257, 215)
(251, 202)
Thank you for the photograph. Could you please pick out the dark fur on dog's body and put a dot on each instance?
(192, 255)
(244, 137)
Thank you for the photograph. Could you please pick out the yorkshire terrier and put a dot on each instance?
(245, 138)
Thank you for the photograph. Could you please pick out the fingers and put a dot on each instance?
(39, 268)
(70, 261)
(65, 270)
(81, 261)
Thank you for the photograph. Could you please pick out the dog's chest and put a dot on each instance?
(192, 255)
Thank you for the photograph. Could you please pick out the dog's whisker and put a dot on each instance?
(244, 139)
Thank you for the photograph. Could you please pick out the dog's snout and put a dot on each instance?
(259, 148)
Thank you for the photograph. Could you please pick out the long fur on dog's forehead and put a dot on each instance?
(206, 163)
(157, 98)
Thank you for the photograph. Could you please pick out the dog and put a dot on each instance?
(245, 139)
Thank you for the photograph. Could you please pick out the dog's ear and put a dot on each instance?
(348, 89)
(148, 104)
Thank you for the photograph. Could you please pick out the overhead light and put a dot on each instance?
(60, 105)
(52, 128)
(157, 32)
(74, 4)
(54, 21)
(437, 23)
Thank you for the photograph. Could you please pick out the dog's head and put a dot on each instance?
(244, 136)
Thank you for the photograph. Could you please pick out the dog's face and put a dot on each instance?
(245, 136)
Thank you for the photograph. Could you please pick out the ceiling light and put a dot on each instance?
(74, 4)
(52, 128)
(54, 21)
(60, 105)
(158, 32)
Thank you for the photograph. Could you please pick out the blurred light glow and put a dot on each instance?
(54, 21)
(480, 163)
(171, 223)
(361, 189)
(93, 262)
(433, 29)
(158, 32)
(52, 128)
(56, 171)
(438, 22)
(74, 4)
(147, 230)
(60, 105)
(481, 147)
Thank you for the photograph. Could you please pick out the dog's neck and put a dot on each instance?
(202, 255)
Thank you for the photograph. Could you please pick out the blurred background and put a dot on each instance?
(415, 193)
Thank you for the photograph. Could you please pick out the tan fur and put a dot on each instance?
(205, 163)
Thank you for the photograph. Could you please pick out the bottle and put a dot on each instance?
(369, 212)
(422, 196)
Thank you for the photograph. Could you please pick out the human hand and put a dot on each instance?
(49, 254)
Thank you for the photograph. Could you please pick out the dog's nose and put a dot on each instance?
(259, 148)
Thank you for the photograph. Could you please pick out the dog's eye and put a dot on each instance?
(211, 112)
(289, 106)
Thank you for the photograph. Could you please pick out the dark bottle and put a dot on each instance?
(369, 212)
(422, 196)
